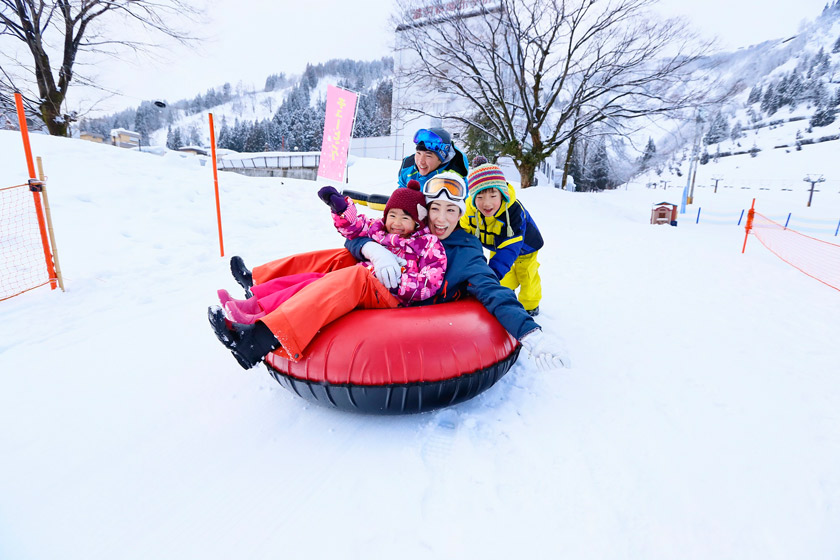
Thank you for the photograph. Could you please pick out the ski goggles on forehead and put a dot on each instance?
(438, 186)
(431, 140)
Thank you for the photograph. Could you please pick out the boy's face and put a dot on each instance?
(488, 201)
(443, 218)
(399, 222)
(426, 161)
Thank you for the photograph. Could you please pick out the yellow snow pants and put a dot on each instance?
(524, 274)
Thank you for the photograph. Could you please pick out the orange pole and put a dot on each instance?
(35, 186)
(216, 184)
(748, 227)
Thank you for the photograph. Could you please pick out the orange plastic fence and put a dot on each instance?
(817, 258)
(21, 254)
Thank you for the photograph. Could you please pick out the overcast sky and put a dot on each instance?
(283, 36)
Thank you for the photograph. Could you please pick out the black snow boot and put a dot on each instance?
(249, 344)
(241, 274)
(534, 312)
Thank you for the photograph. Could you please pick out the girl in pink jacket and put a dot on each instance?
(402, 230)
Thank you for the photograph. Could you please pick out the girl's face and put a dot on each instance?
(399, 223)
(426, 161)
(488, 201)
(443, 218)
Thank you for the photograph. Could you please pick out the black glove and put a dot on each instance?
(333, 199)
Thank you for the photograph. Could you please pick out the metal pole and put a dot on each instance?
(350, 141)
(813, 181)
(42, 177)
(693, 162)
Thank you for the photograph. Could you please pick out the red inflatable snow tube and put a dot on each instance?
(401, 361)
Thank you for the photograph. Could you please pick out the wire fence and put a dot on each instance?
(816, 258)
(21, 252)
(826, 187)
(830, 227)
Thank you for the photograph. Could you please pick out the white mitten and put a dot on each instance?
(548, 351)
(386, 266)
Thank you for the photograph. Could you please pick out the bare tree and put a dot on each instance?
(535, 74)
(67, 29)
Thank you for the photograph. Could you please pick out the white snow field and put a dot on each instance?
(700, 418)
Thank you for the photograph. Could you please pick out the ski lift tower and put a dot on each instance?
(813, 179)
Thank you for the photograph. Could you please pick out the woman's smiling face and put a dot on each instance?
(443, 218)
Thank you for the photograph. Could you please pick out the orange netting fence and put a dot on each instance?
(21, 250)
(28, 258)
(817, 258)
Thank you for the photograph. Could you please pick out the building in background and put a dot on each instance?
(435, 100)
(92, 137)
(405, 123)
(123, 138)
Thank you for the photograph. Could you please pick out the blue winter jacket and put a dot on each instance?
(467, 273)
(408, 171)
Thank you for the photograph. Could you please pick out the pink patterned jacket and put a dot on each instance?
(422, 276)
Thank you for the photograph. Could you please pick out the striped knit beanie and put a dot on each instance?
(487, 176)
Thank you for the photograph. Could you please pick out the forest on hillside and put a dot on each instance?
(297, 124)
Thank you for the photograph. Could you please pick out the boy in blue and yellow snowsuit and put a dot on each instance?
(505, 228)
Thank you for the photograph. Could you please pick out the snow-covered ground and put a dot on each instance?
(774, 177)
(700, 419)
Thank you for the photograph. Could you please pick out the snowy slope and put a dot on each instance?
(700, 419)
(738, 72)
(246, 106)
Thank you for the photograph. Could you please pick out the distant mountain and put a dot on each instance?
(288, 114)
(784, 94)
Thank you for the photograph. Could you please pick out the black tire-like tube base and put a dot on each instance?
(409, 398)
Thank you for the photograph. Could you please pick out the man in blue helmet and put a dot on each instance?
(435, 153)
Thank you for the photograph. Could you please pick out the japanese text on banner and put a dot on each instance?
(338, 129)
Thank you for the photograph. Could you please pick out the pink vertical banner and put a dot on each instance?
(338, 127)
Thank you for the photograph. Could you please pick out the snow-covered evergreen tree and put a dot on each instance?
(193, 136)
(224, 134)
(769, 102)
(257, 140)
(599, 169)
(823, 116)
(736, 132)
(173, 138)
(648, 154)
(718, 129)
